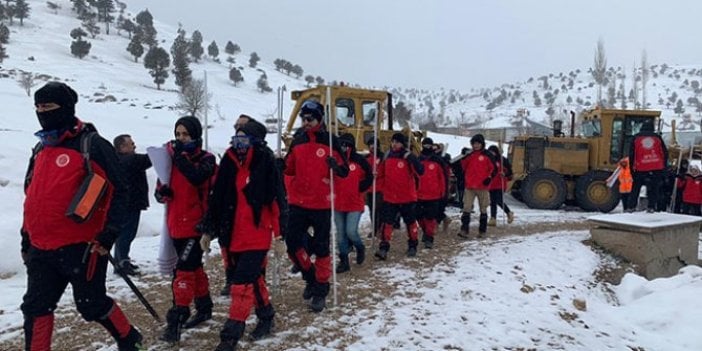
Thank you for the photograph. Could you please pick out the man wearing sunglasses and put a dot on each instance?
(308, 163)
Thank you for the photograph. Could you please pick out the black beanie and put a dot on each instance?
(347, 138)
(427, 141)
(400, 138)
(478, 138)
(253, 128)
(192, 125)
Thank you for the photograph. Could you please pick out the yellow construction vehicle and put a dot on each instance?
(552, 170)
(353, 111)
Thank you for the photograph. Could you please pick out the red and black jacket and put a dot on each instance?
(692, 189)
(53, 177)
(243, 205)
(648, 153)
(191, 175)
(504, 174)
(398, 176)
(478, 166)
(349, 192)
(432, 184)
(306, 163)
(376, 159)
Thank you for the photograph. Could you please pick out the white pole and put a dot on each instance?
(206, 106)
(375, 210)
(332, 232)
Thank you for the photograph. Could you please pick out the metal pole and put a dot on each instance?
(332, 232)
(375, 176)
(207, 102)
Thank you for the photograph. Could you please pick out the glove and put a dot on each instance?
(205, 243)
(331, 161)
(487, 181)
(164, 193)
(25, 257)
(106, 238)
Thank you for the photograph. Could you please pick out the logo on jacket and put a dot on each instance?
(647, 142)
(352, 167)
(432, 167)
(62, 160)
(320, 152)
(400, 164)
(248, 179)
(481, 158)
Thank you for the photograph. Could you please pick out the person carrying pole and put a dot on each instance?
(309, 197)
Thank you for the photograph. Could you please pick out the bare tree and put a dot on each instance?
(635, 88)
(27, 81)
(194, 99)
(644, 77)
(599, 68)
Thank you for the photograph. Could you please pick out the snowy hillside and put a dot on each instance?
(514, 291)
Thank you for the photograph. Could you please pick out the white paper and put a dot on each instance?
(167, 256)
(161, 161)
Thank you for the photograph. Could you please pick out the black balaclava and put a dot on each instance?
(62, 117)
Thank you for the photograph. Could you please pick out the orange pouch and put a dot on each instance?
(87, 198)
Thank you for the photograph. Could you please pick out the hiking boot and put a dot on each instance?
(510, 217)
(429, 242)
(226, 346)
(381, 254)
(265, 322)
(131, 342)
(294, 269)
(176, 316)
(230, 334)
(307, 293)
(360, 254)
(203, 305)
(492, 222)
(464, 234)
(318, 304)
(343, 265)
(412, 251)
(482, 224)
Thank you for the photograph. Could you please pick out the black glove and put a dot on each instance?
(107, 237)
(331, 161)
(487, 181)
(163, 193)
(280, 163)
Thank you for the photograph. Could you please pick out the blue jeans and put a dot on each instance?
(347, 230)
(127, 235)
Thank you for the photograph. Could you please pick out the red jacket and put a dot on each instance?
(503, 176)
(371, 159)
(477, 167)
(432, 184)
(648, 153)
(246, 235)
(692, 189)
(307, 164)
(57, 174)
(191, 175)
(398, 177)
(349, 192)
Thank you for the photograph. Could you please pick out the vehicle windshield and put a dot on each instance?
(592, 128)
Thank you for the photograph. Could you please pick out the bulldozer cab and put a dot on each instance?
(352, 110)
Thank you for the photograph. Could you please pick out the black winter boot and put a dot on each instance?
(230, 335)
(383, 248)
(343, 264)
(319, 297)
(309, 278)
(176, 316)
(203, 306)
(131, 342)
(360, 254)
(465, 226)
(428, 242)
(412, 248)
(482, 225)
(265, 322)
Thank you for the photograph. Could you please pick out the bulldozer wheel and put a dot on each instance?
(593, 194)
(544, 189)
(516, 191)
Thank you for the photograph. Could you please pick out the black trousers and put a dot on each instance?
(50, 271)
(652, 180)
(497, 199)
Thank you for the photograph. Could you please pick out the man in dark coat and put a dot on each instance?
(134, 166)
(648, 156)
(57, 249)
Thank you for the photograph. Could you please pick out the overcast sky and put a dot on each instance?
(443, 43)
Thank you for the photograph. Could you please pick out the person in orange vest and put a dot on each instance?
(626, 183)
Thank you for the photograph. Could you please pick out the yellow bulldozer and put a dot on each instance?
(552, 170)
(353, 110)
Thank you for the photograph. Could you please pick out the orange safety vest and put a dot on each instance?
(626, 181)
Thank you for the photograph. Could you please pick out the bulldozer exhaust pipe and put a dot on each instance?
(572, 124)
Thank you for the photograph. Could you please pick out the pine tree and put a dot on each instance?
(157, 62)
(79, 47)
(21, 10)
(135, 48)
(4, 34)
(181, 62)
(235, 76)
(3, 54)
(231, 48)
(213, 50)
(105, 9)
(146, 26)
(196, 49)
(253, 60)
(262, 84)
(319, 80)
(91, 26)
(309, 79)
(79, 6)
(298, 71)
(129, 27)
